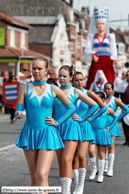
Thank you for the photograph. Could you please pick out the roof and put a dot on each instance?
(44, 33)
(33, 7)
(11, 52)
(13, 21)
(49, 20)
(126, 39)
(41, 34)
(119, 36)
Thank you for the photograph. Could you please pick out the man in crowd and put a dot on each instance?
(119, 80)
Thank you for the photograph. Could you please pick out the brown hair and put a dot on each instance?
(53, 72)
(69, 69)
(77, 73)
(41, 59)
(112, 85)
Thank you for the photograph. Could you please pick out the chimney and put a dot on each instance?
(71, 14)
(71, 3)
(85, 11)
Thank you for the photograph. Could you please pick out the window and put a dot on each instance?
(21, 67)
(82, 23)
(22, 40)
(71, 16)
(12, 38)
(121, 48)
(77, 26)
(61, 62)
(2, 36)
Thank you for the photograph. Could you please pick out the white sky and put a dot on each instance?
(119, 9)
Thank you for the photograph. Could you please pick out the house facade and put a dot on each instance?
(122, 50)
(15, 55)
(44, 16)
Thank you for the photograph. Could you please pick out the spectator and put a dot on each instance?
(6, 76)
(12, 107)
(119, 80)
(53, 78)
(123, 90)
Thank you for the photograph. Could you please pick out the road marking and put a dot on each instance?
(7, 147)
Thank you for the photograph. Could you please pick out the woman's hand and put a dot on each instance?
(95, 59)
(75, 117)
(50, 121)
(107, 129)
(19, 115)
(116, 63)
(88, 120)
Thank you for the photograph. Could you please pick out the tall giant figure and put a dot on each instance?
(100, 46)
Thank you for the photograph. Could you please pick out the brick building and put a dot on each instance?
(122, 47)
(14, 47)
(43, 16)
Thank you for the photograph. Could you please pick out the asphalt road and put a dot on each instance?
(14, 171)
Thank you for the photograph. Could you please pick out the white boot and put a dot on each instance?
(75, 174)
(111, 158)
(66, 184)
(100, 170)
(82, 174)
(93, 168)
(106, 163)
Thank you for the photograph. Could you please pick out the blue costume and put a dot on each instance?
(115, 130)
(36, 134)
(70, 129)
(81, 110)
(99, 125)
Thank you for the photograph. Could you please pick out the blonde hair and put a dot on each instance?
(41, 59)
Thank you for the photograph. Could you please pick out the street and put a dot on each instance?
(14, 170)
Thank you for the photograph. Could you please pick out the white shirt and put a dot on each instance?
(117, 81)
(89, 46)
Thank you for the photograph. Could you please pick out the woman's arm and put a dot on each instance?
(114, 116)
(99, 102)
(124, 108)
(68, 105)
(92, 104)
(113, 50)
(96, 98)
(93, 107)
(20, 104)
(89, 45)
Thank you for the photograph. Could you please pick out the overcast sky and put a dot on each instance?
(119, 9)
